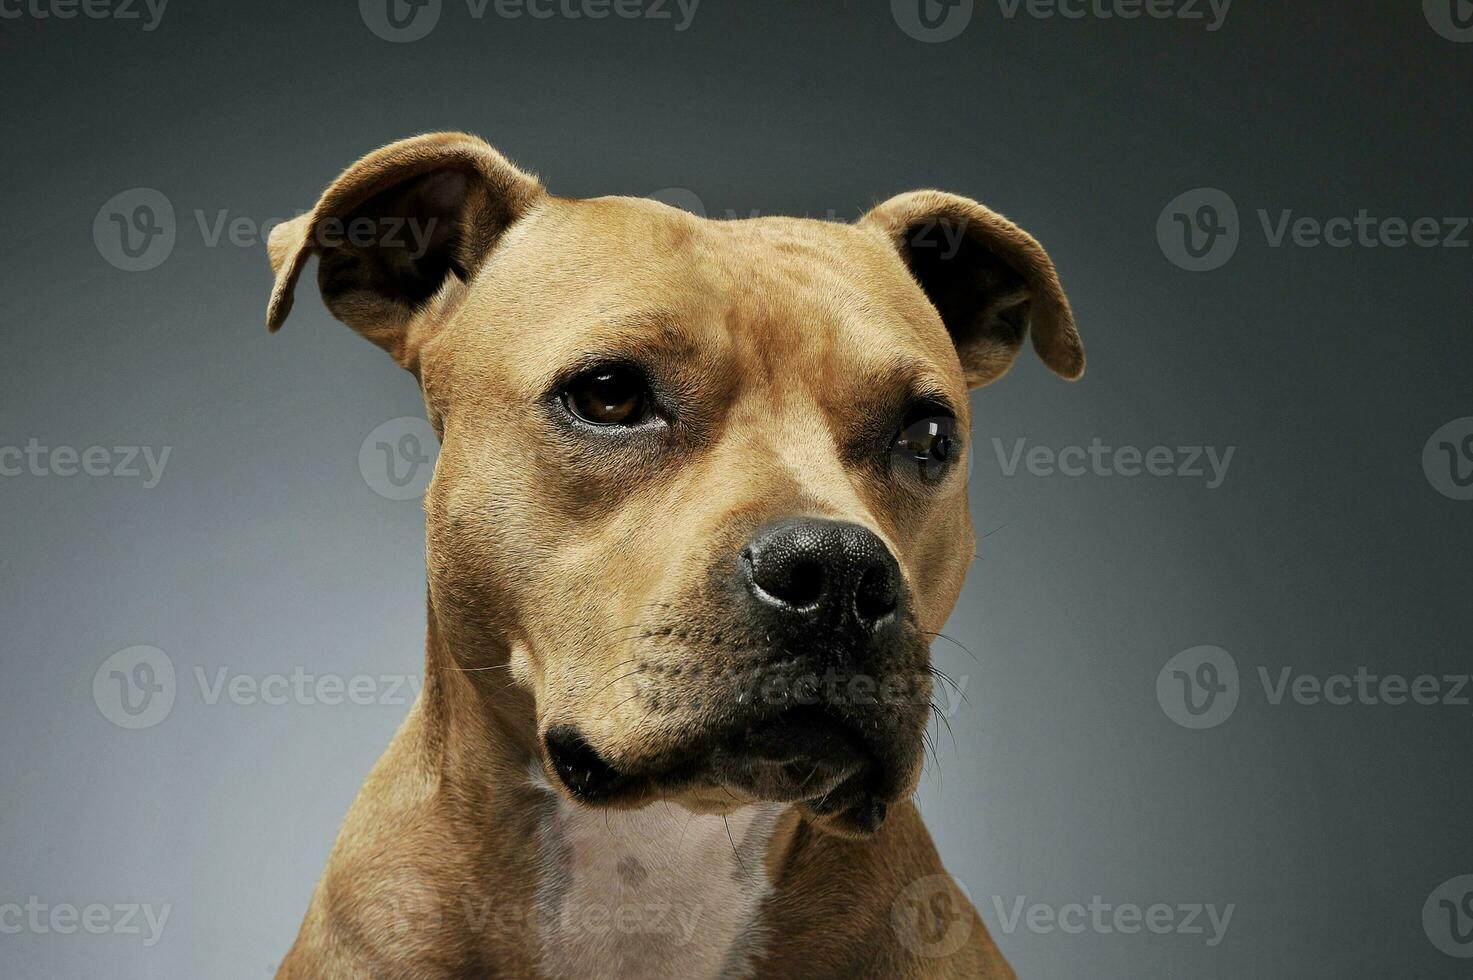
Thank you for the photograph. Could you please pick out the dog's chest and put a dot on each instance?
(658, 892)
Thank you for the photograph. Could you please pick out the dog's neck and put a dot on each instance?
(654, 892)
(657, 892)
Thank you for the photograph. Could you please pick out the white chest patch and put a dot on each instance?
(658, 892)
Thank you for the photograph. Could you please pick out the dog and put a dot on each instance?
(699, 509)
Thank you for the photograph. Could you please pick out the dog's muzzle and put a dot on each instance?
(823, 707)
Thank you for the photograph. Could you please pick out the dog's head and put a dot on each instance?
(702, 483)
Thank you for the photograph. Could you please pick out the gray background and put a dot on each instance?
(263, 549)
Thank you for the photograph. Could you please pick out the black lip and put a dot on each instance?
(579, 766)
(808, 756)
(804, 732)
(801, 754)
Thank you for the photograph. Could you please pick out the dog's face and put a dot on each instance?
(702, 483)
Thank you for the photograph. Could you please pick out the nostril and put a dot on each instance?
(804, 585)
(795, 583)
(875, 597)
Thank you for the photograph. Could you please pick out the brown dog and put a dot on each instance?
(699, 508)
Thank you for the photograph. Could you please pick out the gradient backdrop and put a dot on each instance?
(1155, 156)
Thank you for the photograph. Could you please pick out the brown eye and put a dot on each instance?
(926, 444)
(614, 395)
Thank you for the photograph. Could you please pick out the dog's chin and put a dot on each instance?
(809, 758)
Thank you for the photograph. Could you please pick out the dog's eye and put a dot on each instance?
(611, 395)
(926, 444)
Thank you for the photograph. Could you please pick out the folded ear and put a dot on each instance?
(395, 229)
(989, 279)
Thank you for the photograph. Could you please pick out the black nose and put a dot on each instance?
(823, 571)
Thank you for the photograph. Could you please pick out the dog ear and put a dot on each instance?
(989, 280)
(394, 229)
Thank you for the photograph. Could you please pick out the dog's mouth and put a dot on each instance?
(808, 756)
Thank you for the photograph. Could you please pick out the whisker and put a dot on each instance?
(943, 675)
(928, 744)
(471, 670)
(619, 705)
(740, 863)
(954, 642)
(616, 680)
(941, 717)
